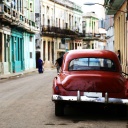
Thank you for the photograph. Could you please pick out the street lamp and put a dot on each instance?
(105, 6)
(93, 4)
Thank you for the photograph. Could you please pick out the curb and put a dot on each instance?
(12, 75)
(7, 76)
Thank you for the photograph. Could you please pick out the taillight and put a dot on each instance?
(56, 90)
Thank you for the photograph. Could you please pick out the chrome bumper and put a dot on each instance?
(79, 98)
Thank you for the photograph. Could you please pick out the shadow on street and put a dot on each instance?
(82, 112)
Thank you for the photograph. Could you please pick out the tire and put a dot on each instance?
(59, 109)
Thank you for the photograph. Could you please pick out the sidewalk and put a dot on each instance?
(11, 75)
(6, 76)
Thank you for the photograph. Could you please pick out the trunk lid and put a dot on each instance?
(94, 82)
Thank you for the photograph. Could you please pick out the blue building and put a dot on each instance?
(17, 36)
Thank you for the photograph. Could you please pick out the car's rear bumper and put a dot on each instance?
(79, 98)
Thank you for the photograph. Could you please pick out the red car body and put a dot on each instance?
(84, 77)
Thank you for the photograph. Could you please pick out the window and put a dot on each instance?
(30, 5)
(30, 38)
(43, 21)
(92, 64)
(43, 9)
(47, 10)
(56, 22)
(30, 54)
(14, 4)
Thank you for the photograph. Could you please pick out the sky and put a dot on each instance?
(98, 9)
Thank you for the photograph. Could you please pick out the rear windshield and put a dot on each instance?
(91, 64)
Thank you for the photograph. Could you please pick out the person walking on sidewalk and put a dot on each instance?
(40, 65)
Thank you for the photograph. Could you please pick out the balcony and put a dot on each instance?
(59, 32)
(15, 18)
(5, 13)
(68, 4)
(90, 36)
(27, 25)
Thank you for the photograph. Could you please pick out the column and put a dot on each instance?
(51, 51)
(55, 49)
(42, 48)
(126, 45)
(2, 47)
(2, 56)
(46, 51)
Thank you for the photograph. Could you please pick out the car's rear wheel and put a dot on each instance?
(59, 109)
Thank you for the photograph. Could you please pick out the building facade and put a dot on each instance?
(93, 36)
(61, 23)
(17, 31)
(109, 26)
(120, 29)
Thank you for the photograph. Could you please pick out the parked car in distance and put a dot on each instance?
(89, 76)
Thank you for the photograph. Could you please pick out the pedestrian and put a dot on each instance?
(40, 65)
(59, 63)
(118, 55)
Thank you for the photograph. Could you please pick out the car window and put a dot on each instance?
(91, 64)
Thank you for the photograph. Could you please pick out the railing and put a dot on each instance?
(16, 18)
(58, 30)
(68, 4)
(91, 34)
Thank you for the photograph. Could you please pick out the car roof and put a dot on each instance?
(91, 53)
(72, 54)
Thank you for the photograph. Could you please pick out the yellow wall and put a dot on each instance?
(120, 33)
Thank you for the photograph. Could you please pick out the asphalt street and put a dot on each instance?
(25, 102)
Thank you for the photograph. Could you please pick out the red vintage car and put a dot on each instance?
(89, 76)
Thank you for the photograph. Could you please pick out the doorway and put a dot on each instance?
(37, 57)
